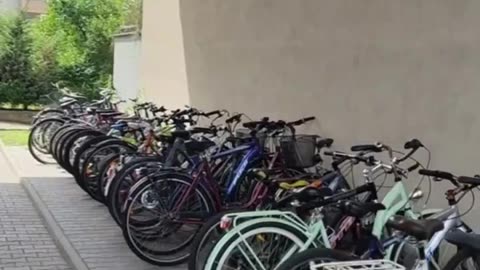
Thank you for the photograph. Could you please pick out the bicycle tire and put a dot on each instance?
(70, 142)
(65, 135)
(163, 257)
(109, 145)
(272, 225)
(113, 198)
(462, 255)
(52, 144)
(102, 178)
(81, 152)
(199, 242)
(31, 140)
(47, 113)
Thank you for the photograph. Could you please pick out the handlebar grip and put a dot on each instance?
(438, 174)
(326, 142)
(235, 118)
(142, 104)
(202, 130)
(366, 147)
(329, 153)
(254, 124)
(413, 167)
(302, 121)
(213, 113)
(469, 180)
(412, 144)
(161, 109)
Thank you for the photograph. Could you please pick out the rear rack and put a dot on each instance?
(358, 265)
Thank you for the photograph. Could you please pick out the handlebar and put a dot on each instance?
(301, 121)
(440, 175)
(275, 125)
(235, 118)
(217, 112)
(367, 148)
(368, 160)
(325, 142)
(475, 181)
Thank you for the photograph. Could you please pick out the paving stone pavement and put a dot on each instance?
(24, 240)
(88, 226)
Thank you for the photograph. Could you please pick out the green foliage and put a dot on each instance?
(82, 32)
(20, 83)
(71, 44)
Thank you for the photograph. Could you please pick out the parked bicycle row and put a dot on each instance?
(239, 194)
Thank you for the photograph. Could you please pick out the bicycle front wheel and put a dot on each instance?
(465, 259)
(261, 245)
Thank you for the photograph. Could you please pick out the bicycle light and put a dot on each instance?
(226, 223)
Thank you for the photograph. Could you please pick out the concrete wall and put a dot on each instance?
(163, 62)
(126, 68)
(34, 7)
(17, 116)
(9, 6)
(368, 69)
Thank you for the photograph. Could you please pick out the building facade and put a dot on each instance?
(368, 69)
(32, 8)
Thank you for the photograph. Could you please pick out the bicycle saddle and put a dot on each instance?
(311, 193)
(360, 209)
(463, 239)
(182, 134)
(420, 229)
(110, 114)
(197, 147)
(294, 185)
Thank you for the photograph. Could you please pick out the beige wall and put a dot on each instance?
(163, 72)
(368, 69)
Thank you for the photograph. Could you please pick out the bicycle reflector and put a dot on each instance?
(225, 223)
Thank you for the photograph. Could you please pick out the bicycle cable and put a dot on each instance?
(468, 210)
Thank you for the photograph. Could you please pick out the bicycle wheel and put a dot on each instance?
(258, 245)
(83, 150)
(61, 142)
(91, 166)
(39, 136)
(52, 144)
(465, 259)
(156, 227)
(307, 259)
(205, 241)
(107, 171)
(73, 144)
(47, 113)
(123, 181)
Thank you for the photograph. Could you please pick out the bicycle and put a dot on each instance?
(303, 235)
(428, 234)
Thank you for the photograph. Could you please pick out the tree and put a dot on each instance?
(82, 31)
(17, 83)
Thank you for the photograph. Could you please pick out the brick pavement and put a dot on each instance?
(88, 226)
(24, 241)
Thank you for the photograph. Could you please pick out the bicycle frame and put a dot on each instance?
(397, 199)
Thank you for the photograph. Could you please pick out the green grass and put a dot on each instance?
(14, 137)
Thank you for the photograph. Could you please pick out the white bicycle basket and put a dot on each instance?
(358, 265)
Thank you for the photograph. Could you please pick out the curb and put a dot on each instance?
(66, 248)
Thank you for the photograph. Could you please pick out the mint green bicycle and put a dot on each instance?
(284, 233)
